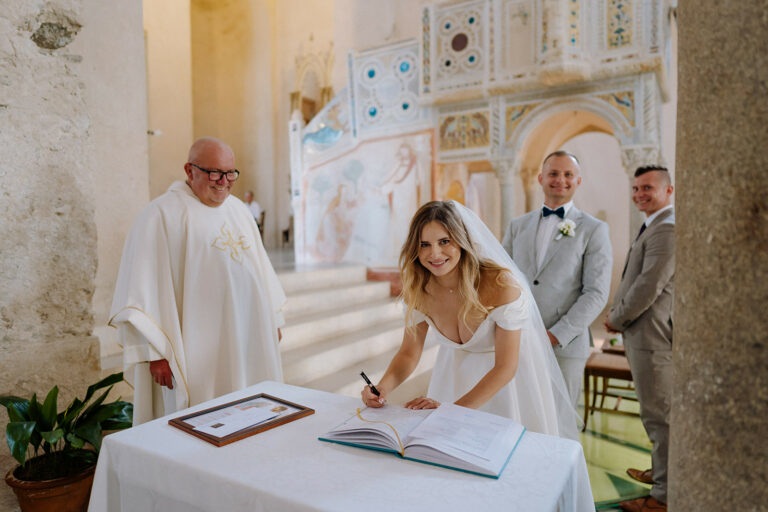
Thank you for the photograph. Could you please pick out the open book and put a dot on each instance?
(450, 436)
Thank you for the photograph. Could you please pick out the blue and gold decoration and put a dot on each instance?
(619, 19)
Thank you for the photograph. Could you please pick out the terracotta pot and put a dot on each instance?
(68, 494)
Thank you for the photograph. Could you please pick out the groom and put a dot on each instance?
(566, 256)
(642, 310)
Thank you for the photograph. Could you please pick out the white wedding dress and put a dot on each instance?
(536, 396)
(527, 399)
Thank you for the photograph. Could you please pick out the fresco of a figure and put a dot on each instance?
(359, 205)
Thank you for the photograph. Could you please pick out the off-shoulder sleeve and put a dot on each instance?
(511, 316)
(416, 316)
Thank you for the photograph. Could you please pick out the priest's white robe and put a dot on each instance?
(196, 288)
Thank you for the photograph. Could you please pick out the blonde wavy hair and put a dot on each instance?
(415, 276)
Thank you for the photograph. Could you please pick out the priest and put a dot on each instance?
(197, 304)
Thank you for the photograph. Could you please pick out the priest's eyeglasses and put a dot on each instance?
(216, 174)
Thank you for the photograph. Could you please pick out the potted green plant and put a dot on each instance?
(57, 451)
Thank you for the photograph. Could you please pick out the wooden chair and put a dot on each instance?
(607, 365)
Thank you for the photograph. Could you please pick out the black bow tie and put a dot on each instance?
(560, 212)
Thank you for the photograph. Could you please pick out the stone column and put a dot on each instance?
(507, 172)
(528, 177)
(73, 175)
(633, 157)
(719, 424)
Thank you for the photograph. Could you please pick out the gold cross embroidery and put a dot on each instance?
(227, 241)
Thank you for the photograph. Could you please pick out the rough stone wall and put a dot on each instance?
(719, 423)
(47, 228)
(56, 205)
(48, 233)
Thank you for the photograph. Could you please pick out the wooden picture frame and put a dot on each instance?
(234, 411)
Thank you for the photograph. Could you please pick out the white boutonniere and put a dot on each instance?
(566, 227)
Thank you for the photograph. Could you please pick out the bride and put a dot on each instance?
(463, 291)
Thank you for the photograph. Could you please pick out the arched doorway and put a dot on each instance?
(603, 192)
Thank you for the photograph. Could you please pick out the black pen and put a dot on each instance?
(370, 384)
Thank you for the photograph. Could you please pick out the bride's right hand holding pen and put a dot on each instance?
(371, 396)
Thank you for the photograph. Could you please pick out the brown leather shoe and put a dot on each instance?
(647, 504)
(641, 476)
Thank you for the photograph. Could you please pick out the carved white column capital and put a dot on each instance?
(633, 157)
(507, 171)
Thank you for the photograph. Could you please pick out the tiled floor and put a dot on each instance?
(612, 443)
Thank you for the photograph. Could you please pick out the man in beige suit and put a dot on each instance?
(642, 311)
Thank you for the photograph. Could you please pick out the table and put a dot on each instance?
(612, 349)
(155, 466)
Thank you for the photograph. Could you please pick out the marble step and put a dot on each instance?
(347, 381)
(297, 281)
(310, 362)
(316, 301)
(319, 326)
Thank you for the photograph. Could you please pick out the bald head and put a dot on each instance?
(209, 154)
(206, 146)
(563, 153)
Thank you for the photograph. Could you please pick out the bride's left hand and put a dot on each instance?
(422, 402)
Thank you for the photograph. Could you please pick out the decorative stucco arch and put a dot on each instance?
(552, 124)
(628, 110)
(619, 125)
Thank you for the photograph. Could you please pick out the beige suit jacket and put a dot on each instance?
(642, 306)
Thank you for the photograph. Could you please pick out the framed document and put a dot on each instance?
(242, 418)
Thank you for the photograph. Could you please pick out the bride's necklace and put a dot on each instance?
(450, 290)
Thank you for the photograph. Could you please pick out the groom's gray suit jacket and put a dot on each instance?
(572, 286)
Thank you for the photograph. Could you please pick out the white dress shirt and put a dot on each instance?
(546, 232)
(650, 218)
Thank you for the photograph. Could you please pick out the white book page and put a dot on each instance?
(380, 420)
(456, 430)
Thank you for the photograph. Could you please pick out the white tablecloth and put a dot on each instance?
(158, 467)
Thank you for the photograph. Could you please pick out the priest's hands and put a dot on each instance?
(371, 400)
(422, 402)
(161, 372)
